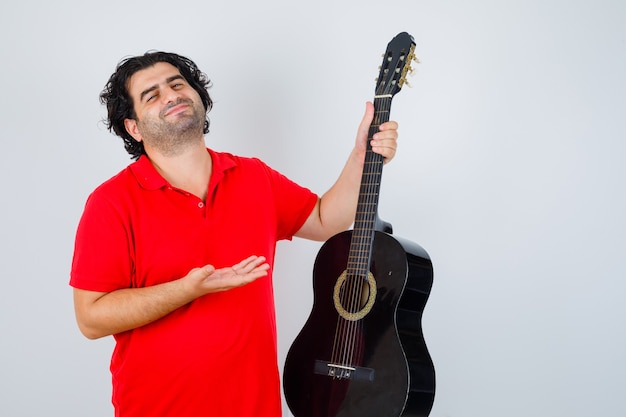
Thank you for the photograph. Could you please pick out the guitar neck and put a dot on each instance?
(392, 75)
(367, 207)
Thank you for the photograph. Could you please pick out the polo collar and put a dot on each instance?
(149, 178)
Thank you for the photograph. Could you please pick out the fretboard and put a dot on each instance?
(367, 207)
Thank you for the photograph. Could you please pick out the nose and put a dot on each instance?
(170, 95)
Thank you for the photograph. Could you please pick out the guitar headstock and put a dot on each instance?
(396, 65)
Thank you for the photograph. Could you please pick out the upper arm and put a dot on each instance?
(312, 228)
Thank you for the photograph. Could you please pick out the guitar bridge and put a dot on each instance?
(336, 371)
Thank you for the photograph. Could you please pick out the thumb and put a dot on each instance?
(364, 127)
(207, 270)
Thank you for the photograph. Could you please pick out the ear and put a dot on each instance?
(132, 129)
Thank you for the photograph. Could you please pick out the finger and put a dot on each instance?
(229, 278)
(248, 264)
(390, 125)
(385, 147)
(383, 141)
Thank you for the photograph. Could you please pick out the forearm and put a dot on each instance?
(336, 210)
(337, 206)
(103, 314)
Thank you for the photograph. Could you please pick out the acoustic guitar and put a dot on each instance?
(361, 352)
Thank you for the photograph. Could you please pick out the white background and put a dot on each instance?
(510, 173)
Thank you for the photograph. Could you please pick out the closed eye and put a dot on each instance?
(149, 93)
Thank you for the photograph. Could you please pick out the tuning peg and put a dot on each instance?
(410, 69)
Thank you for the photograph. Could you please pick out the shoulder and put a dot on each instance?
(139, 175)
(224, 160)
(115, 195)
(114, 185)
(227, 165)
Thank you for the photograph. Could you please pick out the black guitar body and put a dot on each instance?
(387, 371)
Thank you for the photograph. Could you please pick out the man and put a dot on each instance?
(174, 254)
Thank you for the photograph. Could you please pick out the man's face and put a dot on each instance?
(169, 112)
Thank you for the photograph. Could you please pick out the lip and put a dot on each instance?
(177, 108)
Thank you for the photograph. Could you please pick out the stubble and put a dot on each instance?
(171, 135)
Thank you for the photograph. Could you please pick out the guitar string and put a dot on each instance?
(383, 109)
(367, 244)
(367, 224)
(348, 341)
(360, 291)
(357, 270)
(344, 355)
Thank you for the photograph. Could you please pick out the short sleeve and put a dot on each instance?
(102, 253)
(293, 203)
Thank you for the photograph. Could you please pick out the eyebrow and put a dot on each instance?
(156, 86)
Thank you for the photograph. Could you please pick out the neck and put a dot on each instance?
(189, 170)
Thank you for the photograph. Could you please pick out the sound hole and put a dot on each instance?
(354, 296)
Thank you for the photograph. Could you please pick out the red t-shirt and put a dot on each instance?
(216, 356)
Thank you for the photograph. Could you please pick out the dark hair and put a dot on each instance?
(120, 105)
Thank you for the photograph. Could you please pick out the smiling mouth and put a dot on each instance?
(176, 108)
